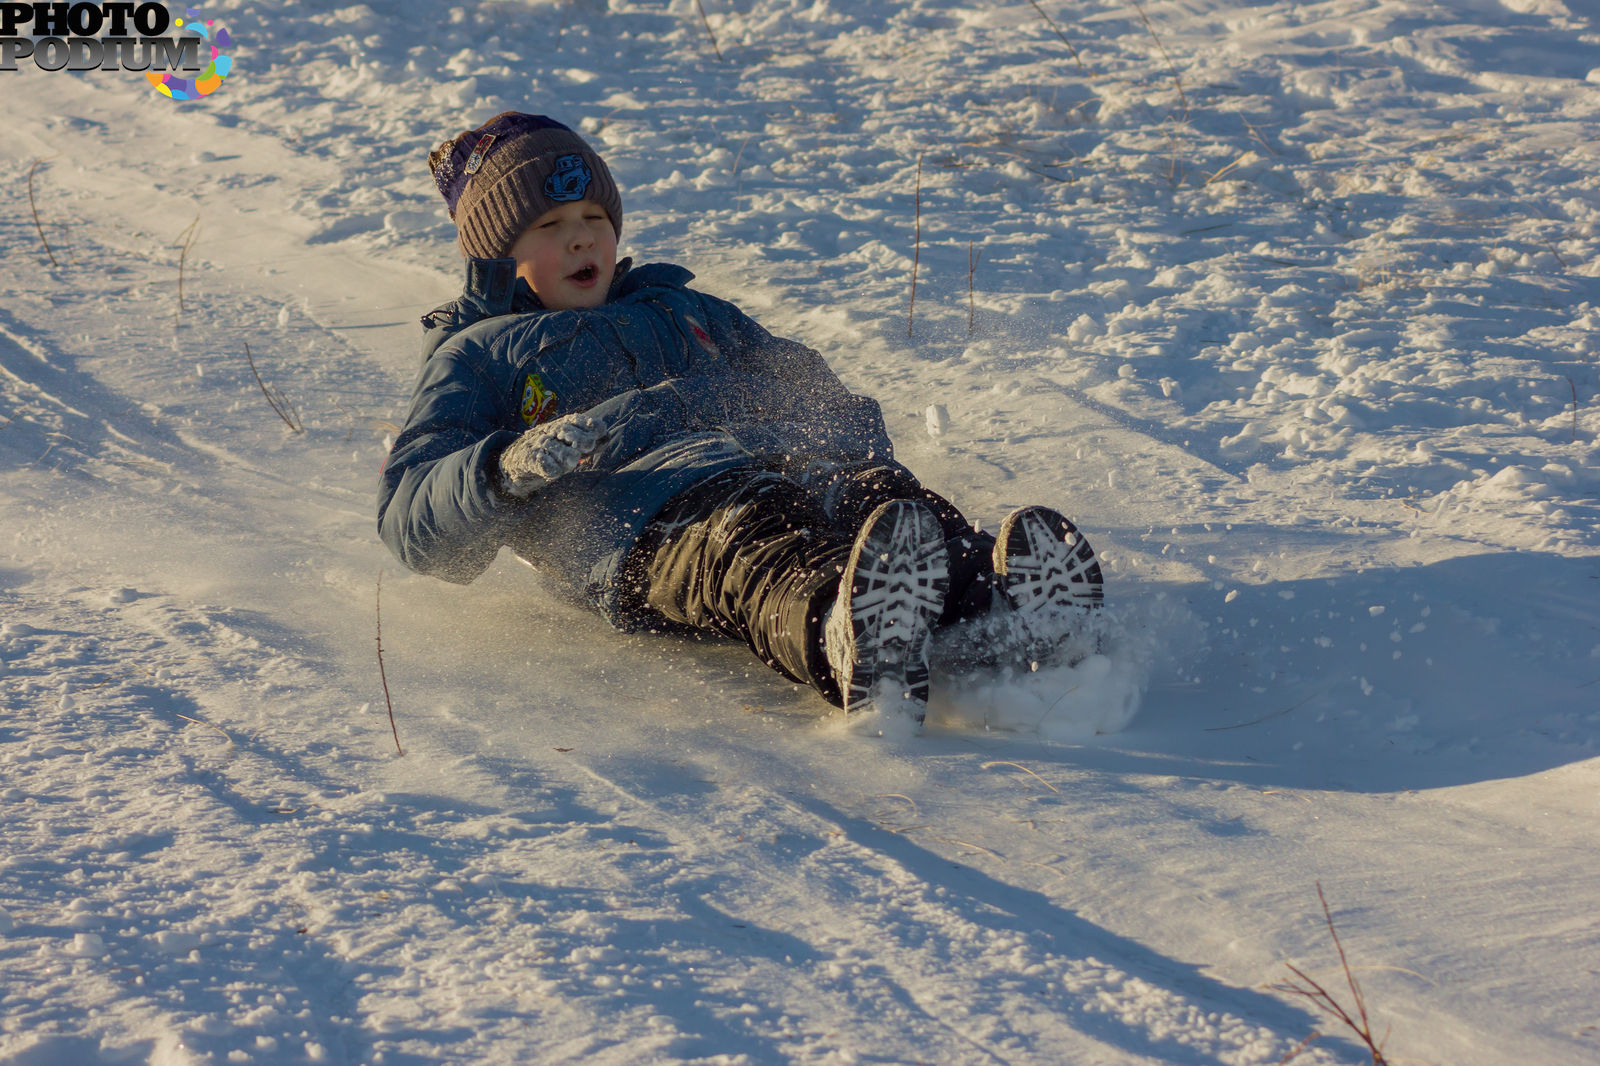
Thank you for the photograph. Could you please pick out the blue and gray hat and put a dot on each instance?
(503, 175)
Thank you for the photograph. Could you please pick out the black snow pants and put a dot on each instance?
(757, 555)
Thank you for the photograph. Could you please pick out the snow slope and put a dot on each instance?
(1292, 307)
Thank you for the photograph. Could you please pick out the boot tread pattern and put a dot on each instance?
(1044, 563)
(898, 575)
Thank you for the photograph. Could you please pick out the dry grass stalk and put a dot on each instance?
(1007, 762)
(1266, 717)
(280, 403)
(1257, 135)
(900, 796)
(1055, 30)
(188, 236)
(738, 185)
(208, 725)
(1359, 1024)
(1051, 177)
(707, 24)
(382, 675)
(1574, 387)
(972, 270)
(35, 208)
(1182, 98)
(1225, 170)
(916, 249)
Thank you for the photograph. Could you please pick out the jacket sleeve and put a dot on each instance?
(438, 508)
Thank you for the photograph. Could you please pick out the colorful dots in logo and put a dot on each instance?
(173, 84)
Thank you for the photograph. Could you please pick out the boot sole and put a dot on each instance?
(1044, 564)
(899, 573)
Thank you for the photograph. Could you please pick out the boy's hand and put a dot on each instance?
(545, 453)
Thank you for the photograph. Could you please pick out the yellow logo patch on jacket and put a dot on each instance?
(538, 402)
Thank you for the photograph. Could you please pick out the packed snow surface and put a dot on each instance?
(1293, 308)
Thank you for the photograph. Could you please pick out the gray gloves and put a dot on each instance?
(547, 452)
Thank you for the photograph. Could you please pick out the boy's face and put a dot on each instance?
(568, 256)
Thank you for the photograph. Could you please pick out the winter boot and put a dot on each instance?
(892, 592)
(1046, 572)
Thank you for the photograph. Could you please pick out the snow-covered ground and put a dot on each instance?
(1292, 307)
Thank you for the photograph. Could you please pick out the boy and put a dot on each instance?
(658, 453)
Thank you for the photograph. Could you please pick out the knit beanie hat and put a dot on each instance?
(503, 175)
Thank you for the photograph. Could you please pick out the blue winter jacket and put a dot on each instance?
(688, 385)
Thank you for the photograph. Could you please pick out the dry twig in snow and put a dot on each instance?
(1224, 171)
(1359, 1024)
(35, 209)
(707, 24)
(188, 236)
(1024, 769)
(1053, 29)
(382, 675)
(208, 725)
(1182, 98)
(280, 403)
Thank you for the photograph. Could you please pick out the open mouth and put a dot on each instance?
(586, 275)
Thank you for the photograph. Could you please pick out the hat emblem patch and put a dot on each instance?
(479, 151)
(569, 181)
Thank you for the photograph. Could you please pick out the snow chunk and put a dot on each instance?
(175, 942)
(87, 946)
(1083, 327)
